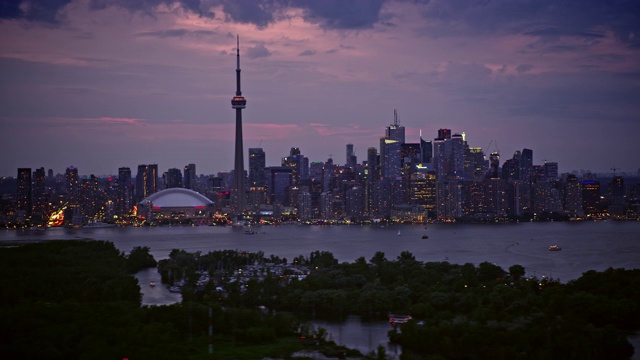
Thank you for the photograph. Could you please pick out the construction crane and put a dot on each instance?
(614, 170)
(495, 145)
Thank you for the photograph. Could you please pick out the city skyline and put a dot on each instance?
(104, 85)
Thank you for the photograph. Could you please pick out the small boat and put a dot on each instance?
(249, 232)
(554, 248)
(425, 236)
(399, 233)
(152, 283)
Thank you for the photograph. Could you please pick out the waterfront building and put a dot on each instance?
(175, 205)
(124, 202)
(304, 206)
(616, 196)
(573, 196)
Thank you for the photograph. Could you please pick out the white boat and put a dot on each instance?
(399, 233)
(554, 248)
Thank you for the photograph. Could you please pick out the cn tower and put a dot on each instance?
(238, 102)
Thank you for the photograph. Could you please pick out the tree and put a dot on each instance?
(516, 272)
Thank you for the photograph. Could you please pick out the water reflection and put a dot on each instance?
(158, 294)
(361, 335)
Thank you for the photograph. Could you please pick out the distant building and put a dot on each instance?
(190, 177)
(24, 203)
(591, 197)
(146, 180)
(173, 178)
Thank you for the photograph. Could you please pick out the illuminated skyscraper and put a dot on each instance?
(238, 102)
(23, 204)
(146, 181)
(73, 185)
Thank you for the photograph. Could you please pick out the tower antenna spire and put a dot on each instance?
(238, 91)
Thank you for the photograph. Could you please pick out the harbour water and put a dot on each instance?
(585, 246)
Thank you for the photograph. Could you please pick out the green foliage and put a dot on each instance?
(139, 258)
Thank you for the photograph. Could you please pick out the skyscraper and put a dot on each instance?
(352, 160)
(190, 176)
(146, 181)
(238, 102)
(173, 178)
(73, 185)
(24, 191)
(257, 163)
(124, 201)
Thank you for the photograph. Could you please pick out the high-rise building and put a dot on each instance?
(616, 196)
(371, 177)
(426, 148)
(278, 183)
(395, 131)
(550, 170)
(190, 177)
(173, 178)
(238, 102)
(352, 159)
(124, 201)
(573, 196)
(298, 163)
(444, 134)
(146, 181)
(39, 194)
(458, 145)
(257, 163)
(257, 182)
(23, 204)
(304, 206)
(73, 185)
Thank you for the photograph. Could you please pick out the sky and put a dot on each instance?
(103, 84)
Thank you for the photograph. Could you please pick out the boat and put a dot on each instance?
(425, 236)
(152, 283)
(399, 233)
(554, 248)
(249, 232)
(395, 319)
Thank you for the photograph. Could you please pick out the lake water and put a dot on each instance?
(585, 246)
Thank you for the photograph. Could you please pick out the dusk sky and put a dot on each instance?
(102, 84)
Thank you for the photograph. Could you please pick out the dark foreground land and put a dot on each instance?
(79, 300)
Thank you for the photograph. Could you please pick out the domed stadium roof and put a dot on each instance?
(177, 197)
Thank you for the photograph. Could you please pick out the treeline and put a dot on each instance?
(460, 311)
(78, 300)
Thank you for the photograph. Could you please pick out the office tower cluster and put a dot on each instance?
(443, 179)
